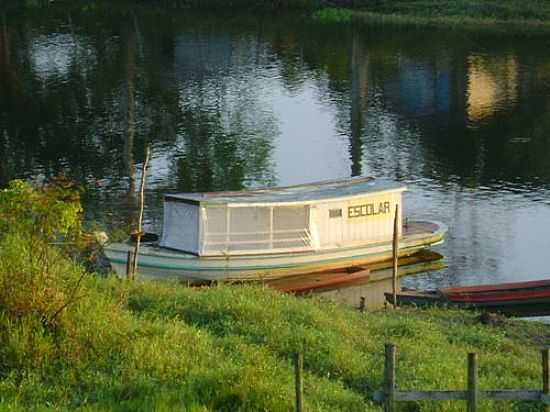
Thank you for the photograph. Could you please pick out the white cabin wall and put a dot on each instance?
(181, 227)
(342, 231)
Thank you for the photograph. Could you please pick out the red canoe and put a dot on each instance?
(518, 298)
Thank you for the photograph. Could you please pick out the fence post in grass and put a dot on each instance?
(472, 383)
(362, 304)
(545, 376)
(395, 247)
(299, 380)
(389, 378)
(129, 264)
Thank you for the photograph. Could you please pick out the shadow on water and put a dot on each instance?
(241, 101)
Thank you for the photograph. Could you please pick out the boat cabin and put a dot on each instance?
(310, 217)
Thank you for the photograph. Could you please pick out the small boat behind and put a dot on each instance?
(315, 282)
(513, 299)
(270, 233)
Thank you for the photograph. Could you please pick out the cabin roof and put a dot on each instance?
(305, 193)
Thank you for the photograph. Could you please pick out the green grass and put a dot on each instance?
(510, 16)
(156, 346)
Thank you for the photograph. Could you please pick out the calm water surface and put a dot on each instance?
(230, 102)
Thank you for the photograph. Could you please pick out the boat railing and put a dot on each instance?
(266, 232)
(277, 239)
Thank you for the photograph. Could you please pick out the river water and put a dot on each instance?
(236, 101)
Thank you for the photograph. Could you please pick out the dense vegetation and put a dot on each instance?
(73, 340)
(461, 10)
(507, 15)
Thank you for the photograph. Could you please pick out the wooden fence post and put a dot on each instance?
(389, 378)
(362, 303)
(545, 376)
(299, 381)
(129, 261)
(472, 383)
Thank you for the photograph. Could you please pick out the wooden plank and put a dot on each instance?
(438, 395)
(449, 395)
(472, 383)
(510, 395)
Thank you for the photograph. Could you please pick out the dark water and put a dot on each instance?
(230, 102)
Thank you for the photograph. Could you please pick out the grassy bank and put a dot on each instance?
(162, 347)
(529, 16)
(71, 340)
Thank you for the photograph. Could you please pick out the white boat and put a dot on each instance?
(270, 233)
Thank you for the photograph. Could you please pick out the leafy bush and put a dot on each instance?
(35, 278)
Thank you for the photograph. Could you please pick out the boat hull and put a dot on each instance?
(510, 299)
(159, 263)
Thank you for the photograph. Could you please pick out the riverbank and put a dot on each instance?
(164, 347)
(509, 16)
(73, 340)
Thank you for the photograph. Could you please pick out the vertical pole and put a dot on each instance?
(141, 203)
(472, 383)
(271, 228)
(227, 227)
(362, 304)
(395, 248)
(545, 376)
(389, 378)
(129, 265)
(299, 381)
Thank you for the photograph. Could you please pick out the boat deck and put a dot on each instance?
(419, 227)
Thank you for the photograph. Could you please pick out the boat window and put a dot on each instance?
(249, 228)
(291, 227)
(335, 213)
(256, 229)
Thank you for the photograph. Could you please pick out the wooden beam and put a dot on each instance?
(431, 396)
(509, 395)
(443, 395)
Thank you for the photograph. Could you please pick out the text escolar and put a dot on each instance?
(369, 209)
